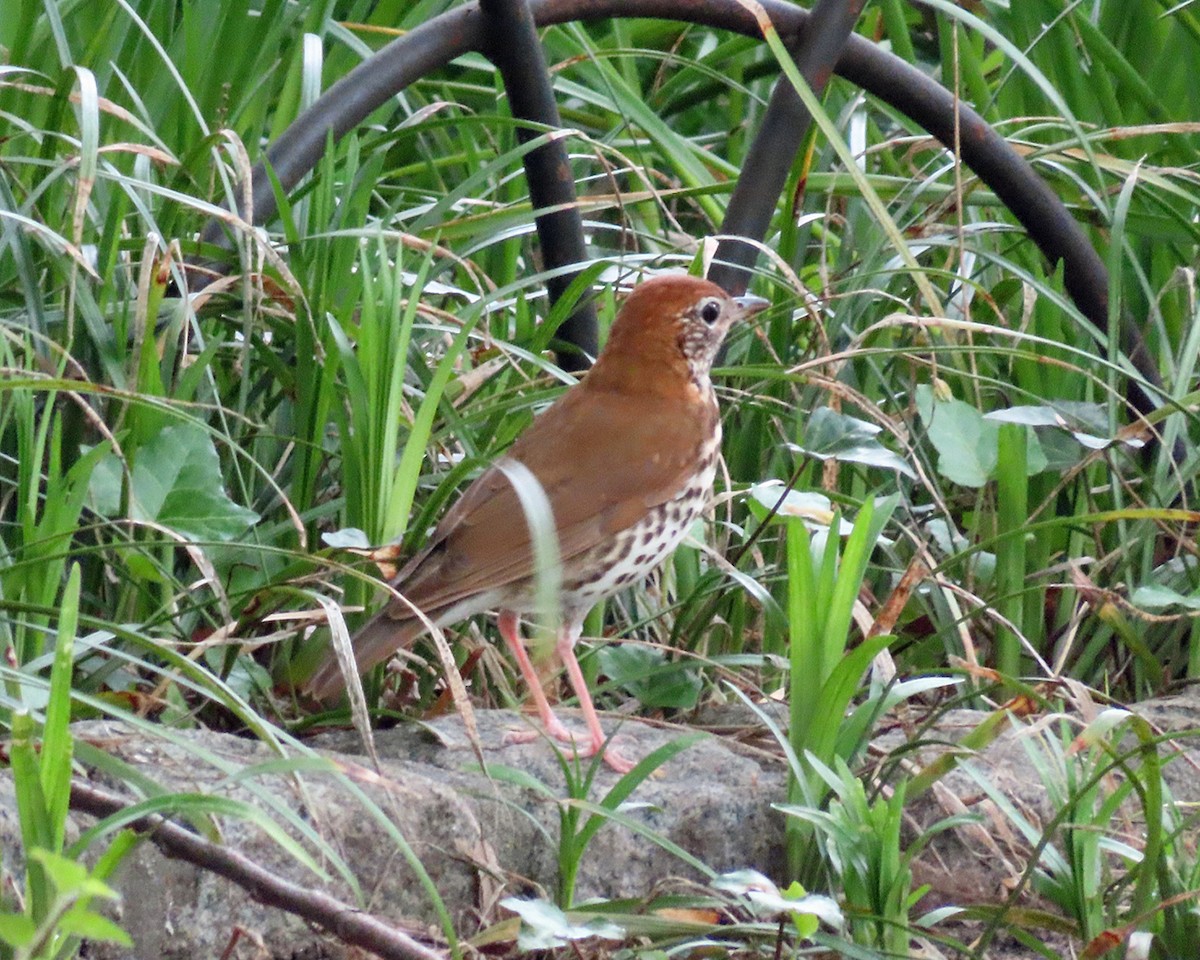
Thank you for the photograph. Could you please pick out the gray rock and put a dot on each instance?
(479, 838)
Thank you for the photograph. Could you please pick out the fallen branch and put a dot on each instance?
(347, 923)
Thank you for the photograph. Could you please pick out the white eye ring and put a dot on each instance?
(710, 310)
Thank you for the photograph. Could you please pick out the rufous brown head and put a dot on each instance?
(670, 328)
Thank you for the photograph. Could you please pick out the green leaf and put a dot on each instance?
(69, 877)
(965, 442)
(1063, 451)
(544, 926)
(176, 481)
(194, 805)
(347, 538)
(123, 844)
(104, 486)
(1155, 596)
(767, 900)
(1091, 436)
(829, 435)
(17, 929)
(806, 924)
(57, 751)
(648, 675)
(1028, 416)
(143, 569)
(82, 922)
(815, 509)
(37, 832)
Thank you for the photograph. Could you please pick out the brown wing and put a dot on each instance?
(603, 461)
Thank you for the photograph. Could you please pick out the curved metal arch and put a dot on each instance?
(437, 42)
(522, 64)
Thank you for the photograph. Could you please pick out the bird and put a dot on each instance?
(626, 458)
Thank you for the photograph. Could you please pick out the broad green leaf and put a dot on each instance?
(829, 435)
(768, 900)
(744, 882)
(1083, 415)
(1063, 450)
(1064, 420)
(105, 486)
(965, 442)
(1029, 416)
(815, 509)
(17, 929)
(175, 481)
(806, 923)
(70, 877)
(647, 675)
(347, 538)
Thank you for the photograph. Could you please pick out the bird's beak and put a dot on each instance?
(750, 305)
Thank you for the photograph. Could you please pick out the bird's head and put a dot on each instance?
(671, 326)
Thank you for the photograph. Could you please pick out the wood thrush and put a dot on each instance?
(626, 460)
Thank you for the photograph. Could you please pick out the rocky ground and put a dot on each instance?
(480, 837)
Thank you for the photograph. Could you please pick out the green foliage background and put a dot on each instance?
(388, 334)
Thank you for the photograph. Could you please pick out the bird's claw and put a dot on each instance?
(611, 755)
(556, 730)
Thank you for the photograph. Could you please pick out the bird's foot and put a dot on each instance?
(615, 759)
(611, 755)
(553, 728)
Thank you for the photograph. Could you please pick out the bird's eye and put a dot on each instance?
(710, 310)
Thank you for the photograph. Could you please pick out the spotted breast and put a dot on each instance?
(634, 552)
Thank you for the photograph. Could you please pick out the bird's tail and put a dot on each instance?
(382, 636)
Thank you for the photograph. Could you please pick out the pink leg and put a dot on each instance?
(510, 631)
(566, 650)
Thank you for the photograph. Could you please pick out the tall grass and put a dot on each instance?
(387, 335)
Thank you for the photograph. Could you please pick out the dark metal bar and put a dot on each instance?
(783, 129)
(438, 41)
(517, 53)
